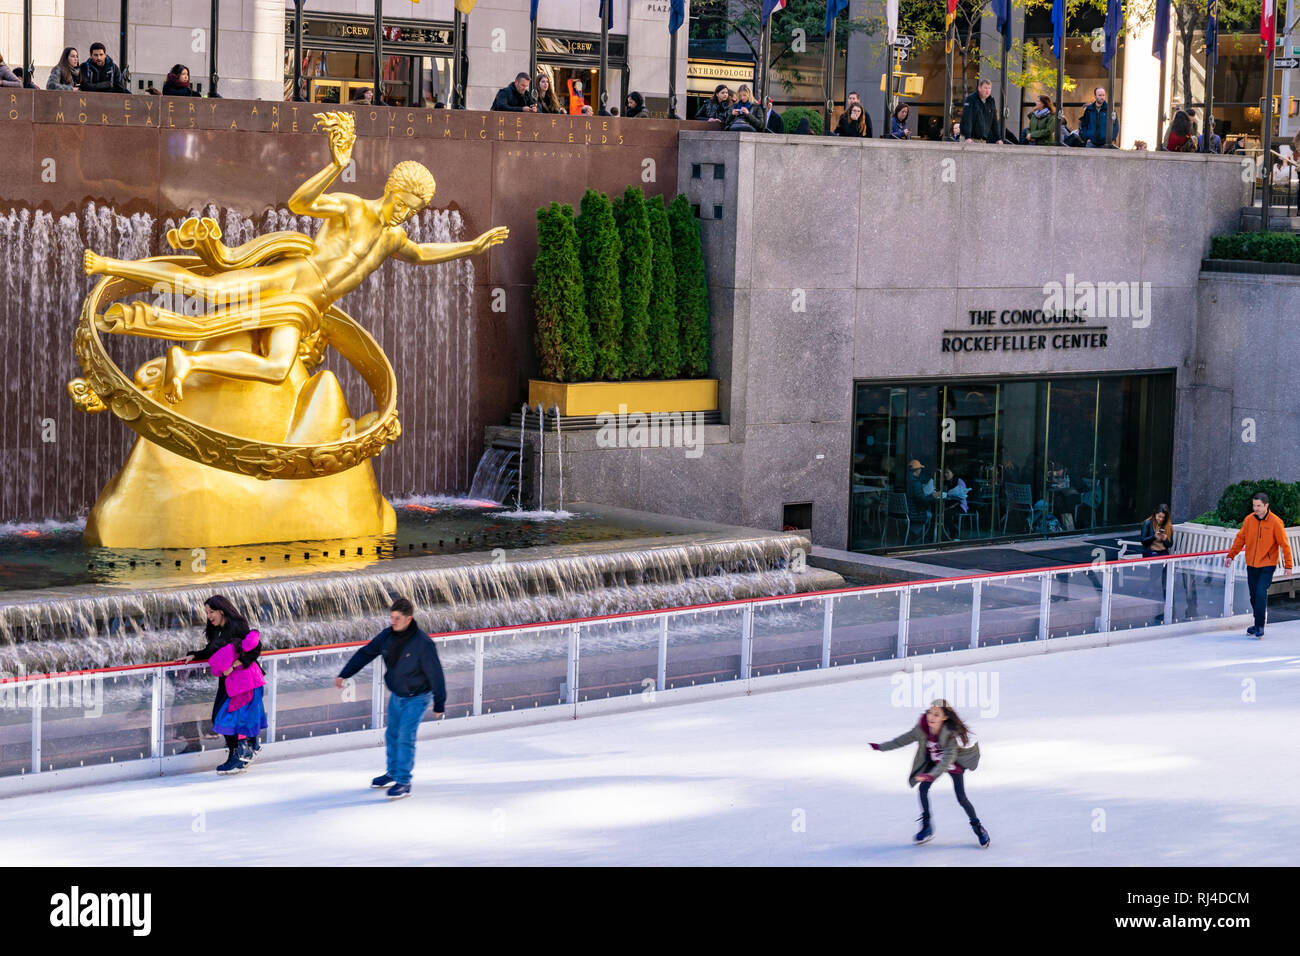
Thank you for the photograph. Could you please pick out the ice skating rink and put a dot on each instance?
(1179, 751)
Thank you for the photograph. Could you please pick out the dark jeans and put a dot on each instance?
(404, 715)
(1258, 581)
(958, 786)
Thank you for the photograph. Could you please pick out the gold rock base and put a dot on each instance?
(161, 500)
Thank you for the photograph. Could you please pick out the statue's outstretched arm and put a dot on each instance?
(428, 253)
(309, 198)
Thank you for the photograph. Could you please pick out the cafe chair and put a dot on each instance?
(1019, 498)
(898, 510)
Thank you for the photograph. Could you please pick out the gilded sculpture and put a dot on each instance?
(230, 414)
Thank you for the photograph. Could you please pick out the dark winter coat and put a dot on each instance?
(102, 79)
(713, 110)
(845, 128)
(745, 117)
(979, 119)
(55, 82)
(1043, 126)
(8, 77)
(177, 89)
(774, 122)
(510, 100)
(1092, 126)
(639, 111)
(410, 661)
(965, 758)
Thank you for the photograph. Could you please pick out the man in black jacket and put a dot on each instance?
(413, 674)
(514, 98)
(773, 119)
(979, 115)
(100, 74)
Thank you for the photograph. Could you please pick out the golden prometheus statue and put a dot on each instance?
(242, 444)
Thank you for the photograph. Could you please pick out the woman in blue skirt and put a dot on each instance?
(231, 651)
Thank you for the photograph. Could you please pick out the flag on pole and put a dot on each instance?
(948, 21)
(770, 7)
(532, 13)
(1160, 35)
(1114, 18)
(891, 20)
(833, 9)
(1058, 28)
(1267, 27)
(1002, 11)
(465, 6)
(676, 16)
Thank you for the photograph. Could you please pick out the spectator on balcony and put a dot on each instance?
(7, 76)
(636, 107)
(1262, 535)
(718, 108)
(854, 122)
(898, 122)
(804, 128)
(772, 119)
(1180, 138)
(66, 74)
(745, 115)
(100, 74)
(979, 115)
(547, 101)
(513, 98)
(1092, 125)
(1044, 124)
(178, 82)
(848, 126)
(954, 135)
(364, 97)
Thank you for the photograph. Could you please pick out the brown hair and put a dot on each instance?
(548, 99)
(1167, 526)
(1047, 101)
(955, 723)
(861, 124)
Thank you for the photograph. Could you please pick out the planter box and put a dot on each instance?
(582, 399)
(1190, 537)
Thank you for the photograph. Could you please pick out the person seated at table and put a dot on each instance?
(919, 504)
(955, 492)
(1065, 496)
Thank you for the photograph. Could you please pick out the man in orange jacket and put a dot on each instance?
(1262, 534)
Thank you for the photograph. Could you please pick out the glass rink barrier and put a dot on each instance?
(51, 722)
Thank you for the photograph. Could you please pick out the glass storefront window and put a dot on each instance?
(939, 464)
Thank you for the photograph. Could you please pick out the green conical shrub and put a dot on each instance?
(559, 304)
(692, 288)
(636, 270)
(665, 335)
(599, 250)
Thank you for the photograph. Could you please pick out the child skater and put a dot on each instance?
(943, 742)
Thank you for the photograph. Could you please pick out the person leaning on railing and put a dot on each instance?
(66, 74)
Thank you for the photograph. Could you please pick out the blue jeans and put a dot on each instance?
(1257, 582)
(404, 715)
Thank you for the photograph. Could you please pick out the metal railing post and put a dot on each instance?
(1168, 568)
(1229, 588)
(904, 616)
(661, 671)
(828, 614)
(377, 696)
(746, 642)
(1044, 607)
(156, 714)
(272, 697)
(36, 706)
(977, 592)
(572, 670)
(478, 675)
(1107, 589)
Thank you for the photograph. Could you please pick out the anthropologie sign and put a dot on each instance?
(1024, 330)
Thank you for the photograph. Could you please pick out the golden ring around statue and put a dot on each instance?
(107, 387)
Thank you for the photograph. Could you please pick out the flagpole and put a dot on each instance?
(889, 89)
(1210, 57)
(457, 48)
(604, 56)
(947, 82)
(1160, 106)
(672, 73)
(766, 49)
(532, 51)
(1060, 80)
(1268, 127)
(829, 85)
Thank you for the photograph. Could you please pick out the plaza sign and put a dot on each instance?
(1025, 330)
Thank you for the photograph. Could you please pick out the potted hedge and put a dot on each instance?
(622, 309)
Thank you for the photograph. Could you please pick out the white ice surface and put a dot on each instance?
(1144, 753)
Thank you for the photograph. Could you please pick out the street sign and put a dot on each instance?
(904, 42)
(1287, 63)
(901, 54)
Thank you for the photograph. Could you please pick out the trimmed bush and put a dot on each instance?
(665, 335)
(559, 303)
(692, 288)
(636, 271)
(794, 114)
(1257, 246)
(1283, 499)
(599, 250)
